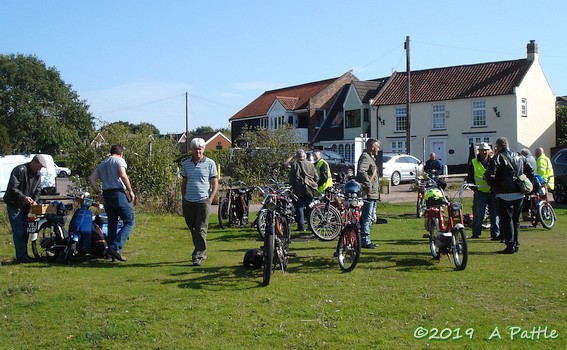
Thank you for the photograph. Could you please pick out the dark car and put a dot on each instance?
(559, 162)
(340, 168)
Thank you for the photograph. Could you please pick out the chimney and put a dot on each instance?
(532, 50)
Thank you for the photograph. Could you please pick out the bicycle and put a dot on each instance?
(350, 242)
(446, 234)
(540, 210)
(277, 232)
(423, 183)
(47, 233)
(285, 201)
(233, 209)
(325, 217)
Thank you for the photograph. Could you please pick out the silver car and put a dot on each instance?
(400, 167)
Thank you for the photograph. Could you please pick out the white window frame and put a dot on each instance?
(401, 118)
(398, 146)
(438, 117)
(524, 107)
(478, 113)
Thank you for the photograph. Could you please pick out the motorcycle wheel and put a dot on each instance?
(223, 213)
(261, 223)
(460, 249)
(546, 214)
(269, 247)
(47, 246)
(432, 225)
(325, 221)
(71, 251)
(420, 207)
(348, 248)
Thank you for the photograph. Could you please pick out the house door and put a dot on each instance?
(440, 149)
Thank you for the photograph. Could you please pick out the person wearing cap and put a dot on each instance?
(301, 167)
(22, 192)
(115, 185)
(483, 195)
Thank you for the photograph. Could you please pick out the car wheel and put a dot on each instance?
(62, 174)
(560, 192)
(396, 178)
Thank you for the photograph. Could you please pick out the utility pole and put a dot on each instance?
(408, 97)
(186, 123)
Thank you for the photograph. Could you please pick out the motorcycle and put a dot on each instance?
(86, 231)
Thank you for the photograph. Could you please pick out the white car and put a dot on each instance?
(400, 167)
(62, 171)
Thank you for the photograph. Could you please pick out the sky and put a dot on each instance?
(163, 60)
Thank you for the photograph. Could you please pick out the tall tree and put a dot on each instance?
(39, 110)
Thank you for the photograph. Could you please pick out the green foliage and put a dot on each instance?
(4, 140)
(129, 128)
(40, 111)
(264, 154)
(561, 125)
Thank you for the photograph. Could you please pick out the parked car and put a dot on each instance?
(62, 171)
(340, 168)
(559, 162)
(400, 167)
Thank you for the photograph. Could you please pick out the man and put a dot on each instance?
(367, 176)
(22, 192)
(324, 172)
(502, 170)
(433, 166)
(545, 168)
(301, 169)
(527, 154)
(482, 194)
(118, 197)
(199, 186)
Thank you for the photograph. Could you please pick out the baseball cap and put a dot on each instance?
(484, 146)
(40, 159)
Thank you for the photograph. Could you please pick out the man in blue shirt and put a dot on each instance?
(198, 187)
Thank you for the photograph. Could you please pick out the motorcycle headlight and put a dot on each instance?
(272, 206)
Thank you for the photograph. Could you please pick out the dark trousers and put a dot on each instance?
(510, 212)
(197, 219)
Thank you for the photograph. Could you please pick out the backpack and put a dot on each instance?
(306, 181)
(98, 241)
(521, 180)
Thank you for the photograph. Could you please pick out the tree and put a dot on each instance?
(263, 154)
(4, 141)
(40, 112)
(561, 125)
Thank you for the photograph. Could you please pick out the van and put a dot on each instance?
(47, 183)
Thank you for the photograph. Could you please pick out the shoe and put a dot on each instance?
(497, 238)
(474, 236)
(335, 254)
(370, 246)
(516, 248)
(508, 250)
(114, 254)
(24, 260)
(197, 261)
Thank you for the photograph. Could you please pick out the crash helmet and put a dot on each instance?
(353, 187)
(253, 258)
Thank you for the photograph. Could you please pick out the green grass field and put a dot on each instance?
(397, 297)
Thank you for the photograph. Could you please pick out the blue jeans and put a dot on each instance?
(117, 206)
(18, 219)
(368, 211)
(302, 210)
(480, 201)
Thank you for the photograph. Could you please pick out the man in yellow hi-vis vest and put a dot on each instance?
(325, 176)
(482, 194)
(544, 168)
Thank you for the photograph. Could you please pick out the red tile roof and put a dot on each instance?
(449, 83)
(292, 98)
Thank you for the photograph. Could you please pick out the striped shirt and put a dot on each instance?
(199, 177)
